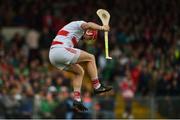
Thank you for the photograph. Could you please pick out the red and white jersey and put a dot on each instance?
(70, 34)
(127, 88)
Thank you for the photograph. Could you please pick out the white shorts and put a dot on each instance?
(62, 57)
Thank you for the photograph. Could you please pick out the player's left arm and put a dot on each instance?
(94, 26)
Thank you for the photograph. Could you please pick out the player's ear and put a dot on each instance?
(85, 26)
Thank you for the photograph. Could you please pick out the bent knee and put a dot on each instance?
(92, 57)
(79, 70)
(76, 69)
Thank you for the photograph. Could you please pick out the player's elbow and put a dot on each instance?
(85, 26)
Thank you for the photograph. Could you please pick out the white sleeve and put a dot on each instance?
(79, 23)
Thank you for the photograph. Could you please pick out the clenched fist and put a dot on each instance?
(105, 27)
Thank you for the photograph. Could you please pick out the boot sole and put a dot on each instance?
(99, 92)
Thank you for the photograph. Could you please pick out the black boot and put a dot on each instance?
(102, 89)
(78, 106)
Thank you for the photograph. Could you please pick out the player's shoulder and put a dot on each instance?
(78, 22)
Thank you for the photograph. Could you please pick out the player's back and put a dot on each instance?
(70, 34)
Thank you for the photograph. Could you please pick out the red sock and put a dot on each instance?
(77, 96)
(96, 84)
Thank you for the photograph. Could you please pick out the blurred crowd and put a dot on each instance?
(144, 42)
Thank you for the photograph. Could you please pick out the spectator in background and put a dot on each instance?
(32, 40)
(127, 90)
(64, 107)
(135, 74)
(144, 81)
(45, 38)
(87, 99)
(163, 84)
(27, 103)
(11, 103)
(47, 19)
(106, 105)
(48, 104)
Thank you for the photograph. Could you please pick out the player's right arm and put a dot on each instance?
(94, 26)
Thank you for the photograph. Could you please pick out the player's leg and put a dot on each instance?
(65, 59)
(89, 59)
(78, 71)
(91, 68)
